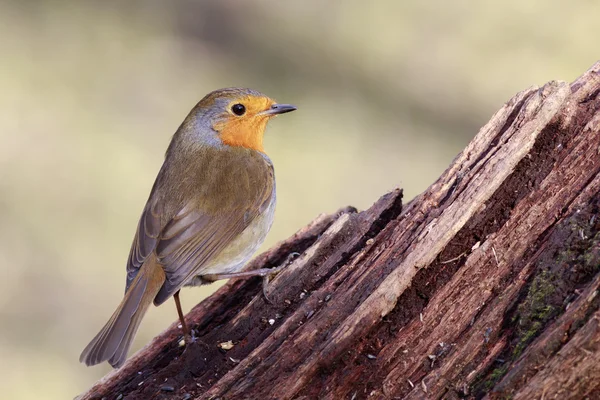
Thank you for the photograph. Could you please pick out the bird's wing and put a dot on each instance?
(189, 239)
(145, 239)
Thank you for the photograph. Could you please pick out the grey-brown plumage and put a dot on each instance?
(210, 208)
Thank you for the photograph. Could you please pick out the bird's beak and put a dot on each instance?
(277, 109)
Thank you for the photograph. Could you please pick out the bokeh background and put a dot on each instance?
(91, 92)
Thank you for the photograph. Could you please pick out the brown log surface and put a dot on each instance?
(485, 285)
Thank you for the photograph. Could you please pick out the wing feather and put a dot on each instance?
(144, 242)
(186, 241)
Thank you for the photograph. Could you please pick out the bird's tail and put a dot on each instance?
(113, 341)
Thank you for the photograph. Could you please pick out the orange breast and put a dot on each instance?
(244, 132)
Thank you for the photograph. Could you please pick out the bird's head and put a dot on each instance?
(238, 116)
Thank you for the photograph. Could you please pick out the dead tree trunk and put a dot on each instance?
(486, 285)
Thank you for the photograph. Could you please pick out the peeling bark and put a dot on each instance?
(484, 286)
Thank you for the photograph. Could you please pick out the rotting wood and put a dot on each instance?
(485, 285)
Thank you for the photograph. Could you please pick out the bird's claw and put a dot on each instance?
(274, 271)
(190, 337)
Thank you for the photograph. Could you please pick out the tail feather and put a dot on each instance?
(110, 337)
(114, 340)
(120, 353)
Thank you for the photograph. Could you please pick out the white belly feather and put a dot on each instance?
(240, 250)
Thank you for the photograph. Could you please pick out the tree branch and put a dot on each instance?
(485, 285)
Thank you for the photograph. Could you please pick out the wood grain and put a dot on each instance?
(485, 285)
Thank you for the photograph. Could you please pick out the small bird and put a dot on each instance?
(210, 208)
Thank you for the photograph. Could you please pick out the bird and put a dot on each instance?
(210, 208)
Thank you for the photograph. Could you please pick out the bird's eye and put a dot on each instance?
(238, 109)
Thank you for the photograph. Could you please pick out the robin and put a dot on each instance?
(210, 208)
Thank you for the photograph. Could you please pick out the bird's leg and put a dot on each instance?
(266, 273)
(186, 332)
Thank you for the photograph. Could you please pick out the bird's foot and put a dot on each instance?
(274, 271)
(191, 339)
(266, 273)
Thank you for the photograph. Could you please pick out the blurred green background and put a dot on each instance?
(91, 92)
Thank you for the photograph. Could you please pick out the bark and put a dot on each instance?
(484, 286)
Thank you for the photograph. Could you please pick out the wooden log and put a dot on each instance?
(485, 285)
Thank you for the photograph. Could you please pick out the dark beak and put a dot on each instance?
(277, 109)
